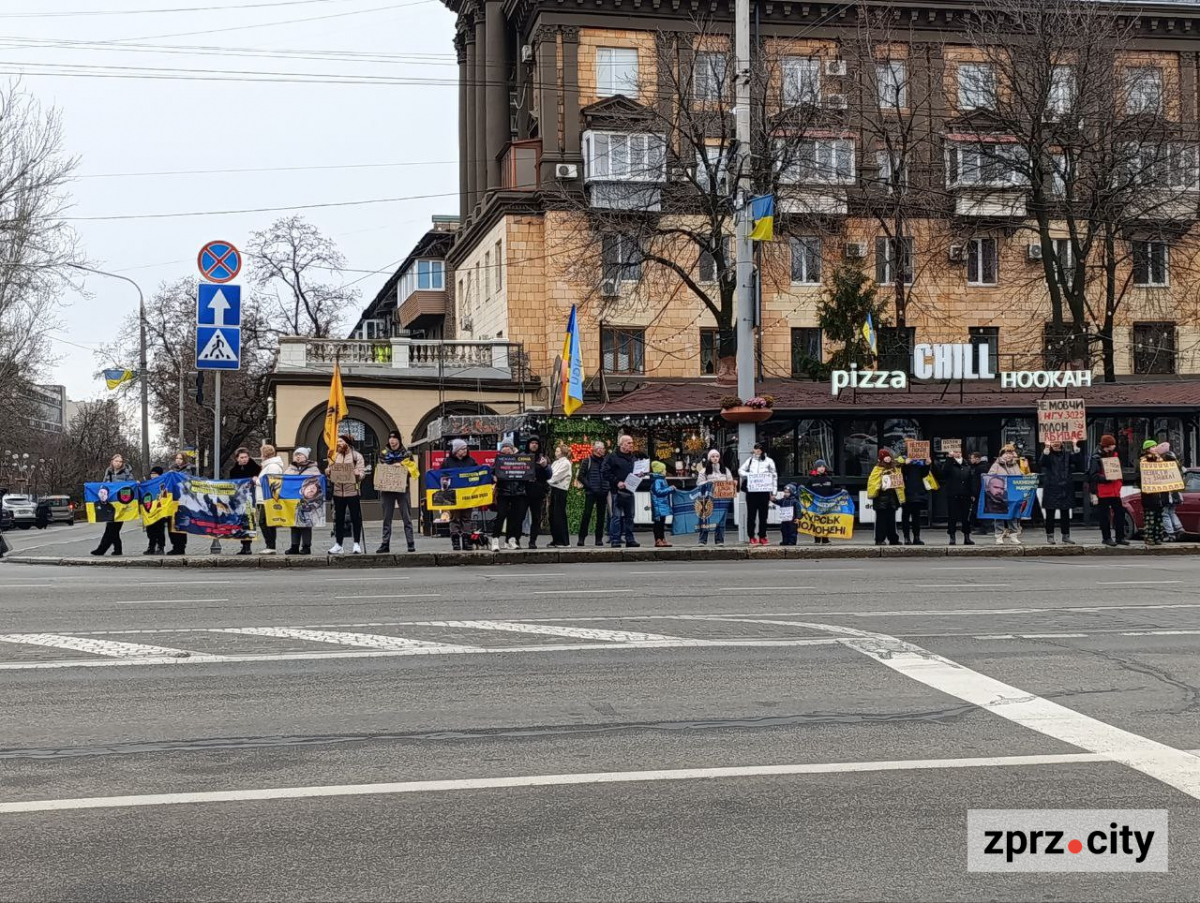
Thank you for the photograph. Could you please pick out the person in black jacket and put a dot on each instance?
(512, 501)
(1058, 491)
(537, 491)
(916, 498)
(590, 479)
(617, 467)
(960, 482)
(156, 533)
(820, 481)
(244, 468)
(459, 457)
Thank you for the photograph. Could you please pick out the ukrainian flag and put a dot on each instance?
(115, 378)
(868, 332)
(762, 218)
(572, 376)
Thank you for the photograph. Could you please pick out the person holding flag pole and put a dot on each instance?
(335, 413)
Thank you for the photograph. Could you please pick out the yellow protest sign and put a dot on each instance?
(830, 526)
(1161, 476)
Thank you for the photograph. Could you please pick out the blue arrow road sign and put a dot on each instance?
(219, 305)
(218, 348)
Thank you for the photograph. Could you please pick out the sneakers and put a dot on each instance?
(999, 539)
(512, 544)
(495, 545)
(335, 549)
(266, 552)
(1049, 540)
(763, 541)
(358, 548)
(1015, 540)
(1110, 543)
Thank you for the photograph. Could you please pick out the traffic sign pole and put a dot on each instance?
(215, 548)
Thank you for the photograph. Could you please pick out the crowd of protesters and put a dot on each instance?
(898, 489)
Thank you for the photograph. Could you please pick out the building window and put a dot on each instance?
(1150, 263)
(983, 263)
(987, 337)
(895, 347)
(806, 260)
(888, 253)
(1153, 348)
(1163, 165)
(1057, 348)
(709, 77)
(984, 165)
(616, 71)
(487, 273)
(713, 159)
(808, 350)
(1143, 90)
(893, 174)
(824, 161)
(708, 264)
(373, 329)
(624, 157)
(801, 81)
(1061, 97)
(976, 86)
(499, 259)
(623, 350)
(431, 274)
(708, 352)
(621, 257)
(891, 80)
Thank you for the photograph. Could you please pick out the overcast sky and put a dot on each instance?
(146, 124)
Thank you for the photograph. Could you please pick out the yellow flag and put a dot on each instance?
(337, 410)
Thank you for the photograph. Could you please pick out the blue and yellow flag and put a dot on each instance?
(115, 378)
(293, 500)
(762, 218)
(572, 372)
(111, 503)
(825, 516)
(456, 488)
(159, 498)
(868, 331)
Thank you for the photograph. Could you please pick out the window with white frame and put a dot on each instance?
(890, 252)
(621, 257)
(624, 157)
(987, 337)
(891, 78)
(1061, 96)
(801, 81)
(1143, 90)
(983, 261)
(499, 264)
(823, 161)
(1150, 263)
(711, 160)
(985, 164)
(1064, 258)
(709, 76)
(976, 86)
(616, 71)
(373, 329)
(806, 260)
(487, 273)
(1163, 165)
(893, 174)
(1060, 175)
(424, 276)
(622, 350)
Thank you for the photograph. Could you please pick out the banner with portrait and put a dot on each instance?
(111, 503)
(222, 509)
(293, 500)
(1006, 497)
(825, 516)
(158, 499)
(458, 488)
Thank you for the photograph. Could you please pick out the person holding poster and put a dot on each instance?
(346, 471)
(959, 482)
(1007, 465)
(885, 487)
(156, 533)
(512, 500)
(661, 495)
(117, 472)
(786, 502)
(1152, 502)
(538, 489)
(271, 465)
(1058, 491)
(916, 498)
(820, 482)
(391, 467)
(302, 466)
(179, 539)
(459, 458)
(712, 471)
(617, 467)
(244, 468)
(560, 486)
(758, 470)
(1104, 479)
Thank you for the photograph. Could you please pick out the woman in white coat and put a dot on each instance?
(272, 466)
(757, 502)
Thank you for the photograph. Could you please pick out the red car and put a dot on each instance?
(1188, 510)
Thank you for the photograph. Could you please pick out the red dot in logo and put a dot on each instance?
(1075, 846)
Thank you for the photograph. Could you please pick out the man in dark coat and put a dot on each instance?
(960, 483)
(618, 466)
(1058, 491)
(916, 498)
(590, 479)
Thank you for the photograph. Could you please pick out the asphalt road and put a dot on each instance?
(750, 730)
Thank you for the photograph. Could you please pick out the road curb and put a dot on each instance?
(604, 555)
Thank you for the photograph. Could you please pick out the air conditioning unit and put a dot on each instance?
(856, 250)
(1033, 251)
(609, 288)
(526, 53)
(956, 253)
(566, 171)
(835, 101)
(835, 67)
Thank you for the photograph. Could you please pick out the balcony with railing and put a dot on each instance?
(404, 357)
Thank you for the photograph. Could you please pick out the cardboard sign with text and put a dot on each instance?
(761, 482)
(1161, 476)
(952, 447)
(917, 449)
(1062, 420)
(1112, 468)
(724, 489)
(391, 478)
(341, 474)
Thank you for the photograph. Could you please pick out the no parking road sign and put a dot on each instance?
(219, 261)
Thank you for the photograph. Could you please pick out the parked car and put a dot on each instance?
(24, 511)
(6, 520)
(1188, 510)
(59, 509)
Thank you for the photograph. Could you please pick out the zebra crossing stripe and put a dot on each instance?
(94, 646)
(341, 638)
(578, 633)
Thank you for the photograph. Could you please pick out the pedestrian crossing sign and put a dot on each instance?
(218, 348)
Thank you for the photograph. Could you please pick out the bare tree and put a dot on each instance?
(291, 265)
(79, 455)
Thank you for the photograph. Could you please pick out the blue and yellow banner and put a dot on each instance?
(293, 500)
(454, 489)
(115, 378)
(697, 511)
(1006, 497)
(572, 375)
(762, 218)
(159, 498)
(111, 503)
(825, 516)
(222, 509)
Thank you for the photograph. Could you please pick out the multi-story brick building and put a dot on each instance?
(550, 94)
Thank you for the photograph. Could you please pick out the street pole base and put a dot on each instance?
(215, 548)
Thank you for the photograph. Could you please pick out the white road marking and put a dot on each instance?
(1160, 633)
(199, 659)
(1171, 766)
(370, 640)
(1051, 636)
(1137, 582)
(924, 612)
(362, 579)
(960, 585)
(402, 596)
(519, 576)
(744, 588)
(579, 633)
(84, 644)
(576, 592)
(160, 601)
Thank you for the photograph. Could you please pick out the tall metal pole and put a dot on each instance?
(745, 254)
(215, 548)
(182, 376)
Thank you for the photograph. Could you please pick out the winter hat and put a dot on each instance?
(303, 450)
(1163, 448)
(395, 434)
(820, 463)
(792, 488)
(1107, 439)
(457, 445)
(885, 453)
(658, 467)
(711, 452)
(1148, 445)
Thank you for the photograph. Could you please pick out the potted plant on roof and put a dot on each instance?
(752, 410)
